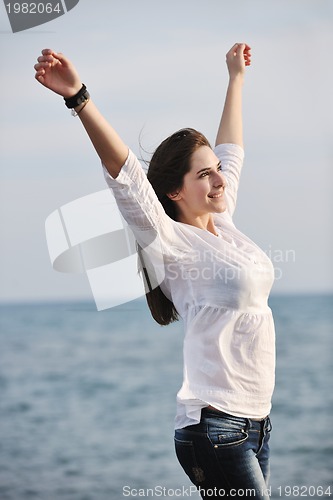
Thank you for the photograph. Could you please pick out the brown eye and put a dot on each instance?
(204, 173)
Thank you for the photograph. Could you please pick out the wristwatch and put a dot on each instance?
(79, 98)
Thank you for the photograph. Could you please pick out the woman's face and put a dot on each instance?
(203, 186)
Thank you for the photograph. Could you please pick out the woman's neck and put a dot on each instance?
(205, 222)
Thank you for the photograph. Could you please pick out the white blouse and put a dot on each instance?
(219, 286)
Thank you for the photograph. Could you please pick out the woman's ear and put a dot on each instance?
(174, 196)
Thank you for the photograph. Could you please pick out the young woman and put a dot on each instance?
(214, 277)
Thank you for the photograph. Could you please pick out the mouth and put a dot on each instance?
(214, 196)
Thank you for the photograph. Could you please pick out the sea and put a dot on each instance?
(87, 402)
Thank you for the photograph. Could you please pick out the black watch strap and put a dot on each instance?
(79, 98)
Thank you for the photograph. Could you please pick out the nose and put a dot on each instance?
(219, 180)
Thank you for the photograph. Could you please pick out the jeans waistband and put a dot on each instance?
(211, 409)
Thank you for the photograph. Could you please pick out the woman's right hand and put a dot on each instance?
(57, 73)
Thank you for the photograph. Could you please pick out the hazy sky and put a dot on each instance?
(153, 67)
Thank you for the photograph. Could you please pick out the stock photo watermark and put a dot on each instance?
(193, 491)
(25, 15)
(185, 492)
(208, 265)
(89, 235)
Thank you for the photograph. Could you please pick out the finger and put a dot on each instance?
(232, 51)
(46, 52)
(39, 76)
(247, 54)
(240, 47)
(247, 61)
(50, 55)
(243, 47)
(40, 72)
(42, 65)
(45, 59)
(61, 58)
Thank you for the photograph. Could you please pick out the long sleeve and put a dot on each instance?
(231, 156)
(138, 203)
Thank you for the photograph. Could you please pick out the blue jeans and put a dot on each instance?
(225, 455)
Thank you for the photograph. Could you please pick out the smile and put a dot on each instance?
(215, 195)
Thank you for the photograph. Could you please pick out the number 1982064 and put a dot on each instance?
(33, 8)
(304, 491)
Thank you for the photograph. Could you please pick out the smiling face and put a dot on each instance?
(202, 192)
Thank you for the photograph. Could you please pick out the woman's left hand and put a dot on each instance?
(238, 57)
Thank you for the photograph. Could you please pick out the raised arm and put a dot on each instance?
(231, 125)
(58, 74)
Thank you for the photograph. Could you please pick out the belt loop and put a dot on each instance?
(268, 424)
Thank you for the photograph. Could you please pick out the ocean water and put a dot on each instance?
(87, 402)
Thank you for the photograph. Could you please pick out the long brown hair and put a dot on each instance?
(167, 167)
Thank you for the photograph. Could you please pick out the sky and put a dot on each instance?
(152, 68)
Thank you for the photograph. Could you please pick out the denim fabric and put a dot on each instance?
(226, 455)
